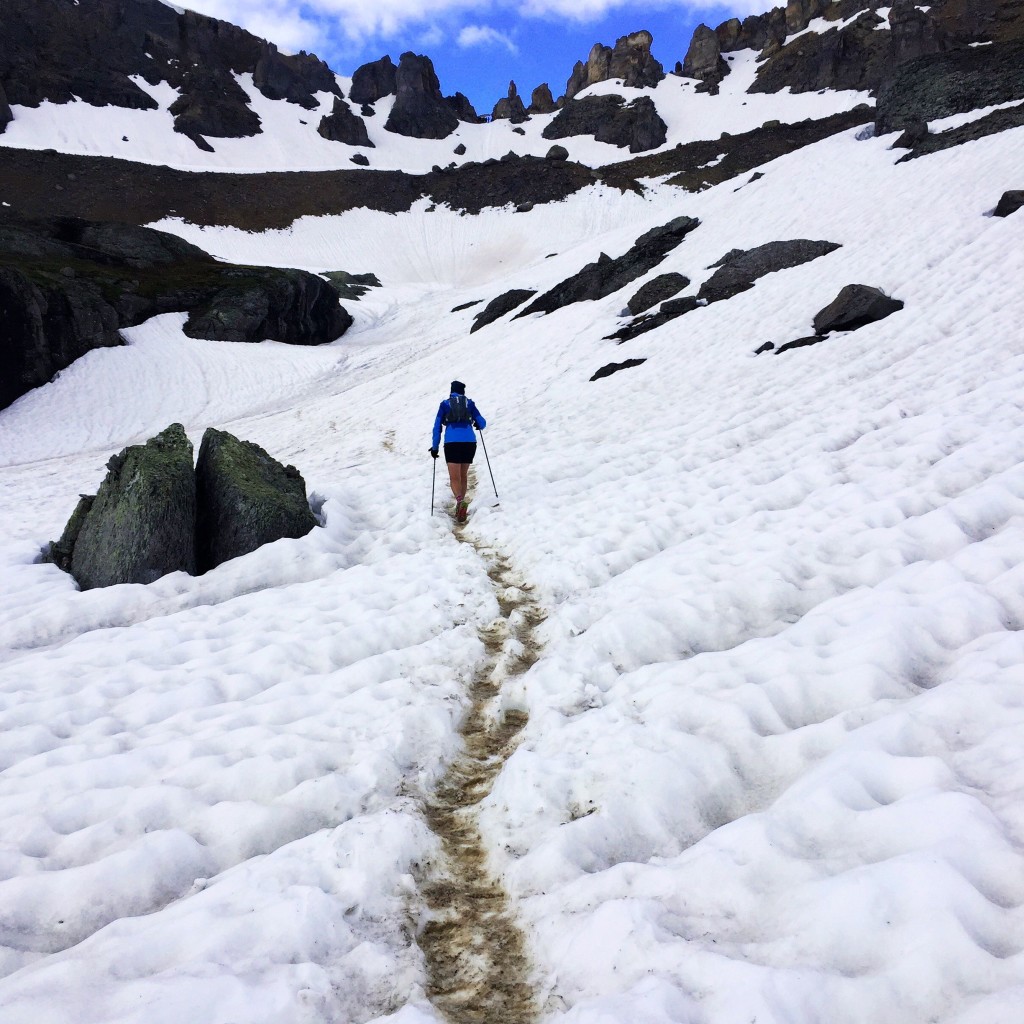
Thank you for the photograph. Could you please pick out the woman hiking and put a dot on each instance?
(458, 415)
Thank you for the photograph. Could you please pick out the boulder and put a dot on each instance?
(855, 306)
(609, 368)
(341, 125)
(59, 552)
(294, 307)
(244, 499)
(739, 269)
(953, 82)
(460, 149)
(420, 111)
(1009, 202)
(607, 275)
(659, 288)
(557, 153)
(541, 101)
(141, 524)
(510, 107)
(704, 60)
(361, 159)
(636, 126)
(498, 307)
(374, 81)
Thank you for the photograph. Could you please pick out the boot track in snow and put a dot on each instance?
(477, 963)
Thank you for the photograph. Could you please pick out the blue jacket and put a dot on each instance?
(456, 431)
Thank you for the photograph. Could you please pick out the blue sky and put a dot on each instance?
(476, 47)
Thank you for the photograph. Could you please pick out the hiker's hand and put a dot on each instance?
(433, 452)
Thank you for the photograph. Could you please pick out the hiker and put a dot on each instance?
(458, 415)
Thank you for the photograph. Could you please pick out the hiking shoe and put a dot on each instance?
(461, 510)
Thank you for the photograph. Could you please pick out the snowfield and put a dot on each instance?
(774, 763)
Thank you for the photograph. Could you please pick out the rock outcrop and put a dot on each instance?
(738, 269)
(630, 61)
(855, 306)
(244, 499)
(658, 289)
(607, 275)
(374, 81)
(67, 287)
(498, 307)
(141, 523)
(541, 101)
(670, 310)
(463, 109)
(58, 51)
(1009, 202)
(704, 60)
(510, 107)
(609, 368)
(635, 126)
(420, 111)
(341, 125)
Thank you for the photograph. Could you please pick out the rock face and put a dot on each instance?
(67, 286)
(630, 60)
(141, 524)
(739, 269)
(1009, 202)
(855, 306)
(374, 81)
(608, 275)
(510, 107)
(954, 82)
(498, 307)
(704, 60)
(420, 111)
(293, 307)
(341, 125)
(463, 109)
(245, 498)
(541, 101)
(6, 114)
(636, 126)
(659, 288)
(56, 51)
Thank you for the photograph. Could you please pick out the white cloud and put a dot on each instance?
(484, 35)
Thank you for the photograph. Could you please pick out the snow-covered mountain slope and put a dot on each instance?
(772, 766)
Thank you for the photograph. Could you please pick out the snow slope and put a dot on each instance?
(772, 769)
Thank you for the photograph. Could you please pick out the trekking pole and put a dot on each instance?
(433, 479)
(489, 470)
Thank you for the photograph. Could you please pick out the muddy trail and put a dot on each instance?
(477, 963)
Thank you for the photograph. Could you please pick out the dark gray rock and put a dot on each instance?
(374, 81)
(498, 307)
(294, 307)
(800, 13)
(6, 114)
(955, 82)
(463, 109)
(212, 103)
(669, 311)
(739, 269)
(811, 339)
(596, 280)
(361, 159)
(1009, 202)
(351, 286)
(466, 305)
(541, 101)
(341, 125)
(420, 111)
(635, 126)
(609, 368)
(141, 524)
(913, 135)
(630, 61)
(59, 552)
(754, 33)
(245, 498)
(460, 149)
(557, 153)
(1002, 120)
(855, 306)
(704, 60)
(914, 32)
(659, 288)
(510, 107)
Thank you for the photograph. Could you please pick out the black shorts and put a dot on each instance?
(459, 451)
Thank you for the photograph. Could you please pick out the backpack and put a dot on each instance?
(458, 412)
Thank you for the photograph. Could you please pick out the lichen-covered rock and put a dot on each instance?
(738, 269)
(141, 524)
(59, 552)
(341, 125)
(855, 306)
(498, 307)
(245, 498)
(608, 275)
(420, 111)
(659, 288)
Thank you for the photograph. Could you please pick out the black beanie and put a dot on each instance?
(458, 388)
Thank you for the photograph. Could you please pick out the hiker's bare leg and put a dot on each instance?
(455, 479)
(464, 478)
